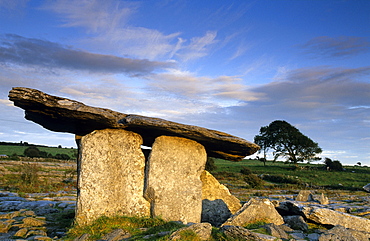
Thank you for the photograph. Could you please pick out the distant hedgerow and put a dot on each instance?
(281, 179)
(253, 180)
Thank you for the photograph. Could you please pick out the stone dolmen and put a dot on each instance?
(115, 177)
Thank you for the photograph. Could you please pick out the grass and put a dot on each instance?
(353, 178)
(138, 227)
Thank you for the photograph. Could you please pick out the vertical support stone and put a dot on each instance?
(111, 176)
(173, 184)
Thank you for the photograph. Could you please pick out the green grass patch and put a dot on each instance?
(288, 176)
(136, 226)
(19, 150)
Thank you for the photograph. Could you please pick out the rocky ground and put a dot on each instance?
(46, 216)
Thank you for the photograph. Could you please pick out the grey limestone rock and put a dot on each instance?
(331, 217)
(322, 199)
(367, 187)
(215, 212)
(202, 230)
(276, 231)
(304, 196)
(296, 222)
(218, 203)
(111, 176)
(255, 210)
(173, 184)
(213, 190)
(65, 115)
(343, 234)
(239, 233)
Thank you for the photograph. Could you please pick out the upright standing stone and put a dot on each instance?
(111, 176)
(173, 184)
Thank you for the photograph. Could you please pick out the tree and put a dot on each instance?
(32, 151)
(333, 165)
(287, 141)
(264, 142)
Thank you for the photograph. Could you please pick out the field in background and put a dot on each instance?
(275, 175)
(19, 150)
(307, 175)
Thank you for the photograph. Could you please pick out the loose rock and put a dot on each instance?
(304, 196)
(253, 211)
(327, 216)
(239, 233)
(218, 203)
(202, 230)
(296, 222)
(367, 187)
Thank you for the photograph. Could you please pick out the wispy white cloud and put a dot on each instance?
(94, 15)
(343, 46)
(108, 23)
(198, 47)
(12, 5)
(219, 89)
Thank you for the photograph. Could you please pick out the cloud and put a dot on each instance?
(337, 47)
(26, 51)
(12, 5)
(315, 86)
(108, 22)
(93, 15)
(207, 89)
(198, 46)
(6, 102)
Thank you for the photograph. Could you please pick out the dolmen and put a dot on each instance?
(116, 178)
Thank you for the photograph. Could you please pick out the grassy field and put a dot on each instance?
(352, 178)
(10, 150)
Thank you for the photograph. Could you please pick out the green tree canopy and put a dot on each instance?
(31, 151)
(286, 141)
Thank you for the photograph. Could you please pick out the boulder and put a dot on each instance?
(345, 234)
(322, 199)
(331, 217)
(304, 196)
(202, 230)
(215, 212)
(218, 204)
(253, 211)
(239, 233)
(367, 187)
(288, 208)
(173, 184)
(296, 222)
(276, 231)
(111, 176)
(65, 115)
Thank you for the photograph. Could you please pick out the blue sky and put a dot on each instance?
(232, 66)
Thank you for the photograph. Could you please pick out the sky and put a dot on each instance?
(231, 66)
